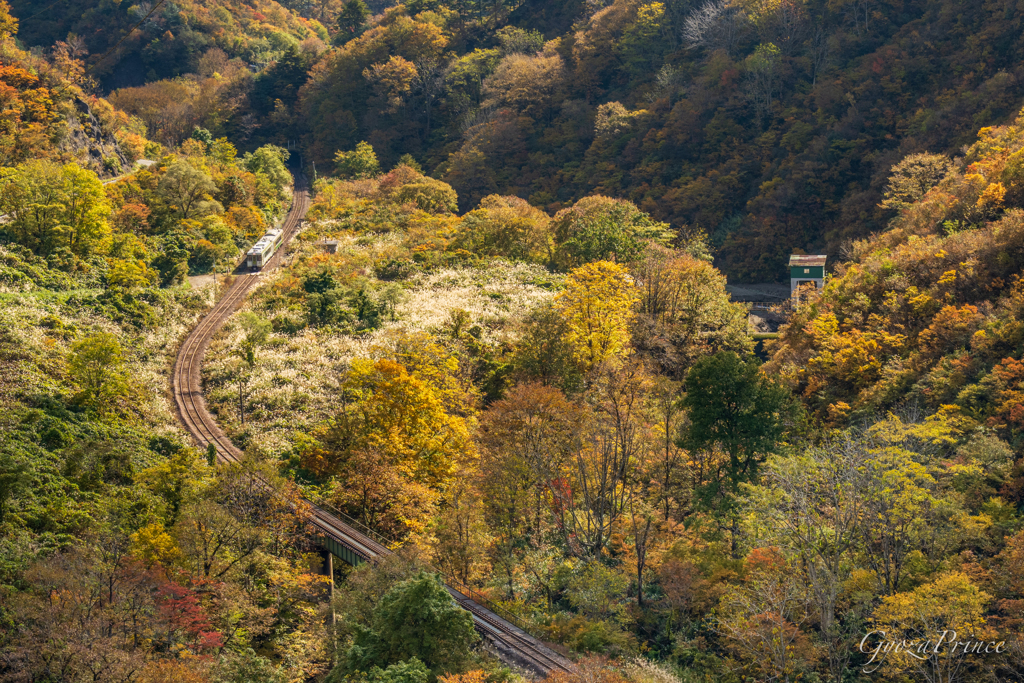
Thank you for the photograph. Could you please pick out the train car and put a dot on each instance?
(261, 252)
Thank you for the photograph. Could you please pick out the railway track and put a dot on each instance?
(513, 644)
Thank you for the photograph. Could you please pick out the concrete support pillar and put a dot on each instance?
(328, 558)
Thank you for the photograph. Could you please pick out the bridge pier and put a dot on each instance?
(328, 567)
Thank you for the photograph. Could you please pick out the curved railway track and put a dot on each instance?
(514, 645)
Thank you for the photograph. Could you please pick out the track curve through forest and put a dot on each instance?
(512, 644)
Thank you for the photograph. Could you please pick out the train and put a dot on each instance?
(267, 246)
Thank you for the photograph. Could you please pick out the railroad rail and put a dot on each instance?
(513, 644)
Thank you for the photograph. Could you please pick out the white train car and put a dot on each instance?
(261, 252)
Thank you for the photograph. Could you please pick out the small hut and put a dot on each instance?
(804, 269)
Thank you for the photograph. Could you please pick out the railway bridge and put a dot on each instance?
(343, 538)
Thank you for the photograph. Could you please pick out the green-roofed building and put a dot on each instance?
(805, 269)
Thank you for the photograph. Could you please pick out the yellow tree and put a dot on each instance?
(392, 81)
(400, 414)
(943, 622)
(395, 446)
(8, 22)
(130, 274)
(97, 364)
(597, 303)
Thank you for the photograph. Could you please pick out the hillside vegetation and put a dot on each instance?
(500, 339)
(47, 115)
(928, 312)
(771, 125)
(549, 456)
(171, 38)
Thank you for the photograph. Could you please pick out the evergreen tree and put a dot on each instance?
(415, 619)
(352, 21)
(734, 407)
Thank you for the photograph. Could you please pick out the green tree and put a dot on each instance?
(601, 228)
(172, 261)
(410, 161)
(329, 307)
(256, 332)
(415, 619)
(203, 257)
(409, 671)
(50, 206)
(901, 513)
(270, 161)
(202, 135)
(352, 21)
(736, 409)
(188, 190)
(97, 364)
(279, 85)
(358, 163)
(14, 471)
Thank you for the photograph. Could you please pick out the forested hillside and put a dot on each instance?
(502, 339)
(599, 452)
(171, 37)
(770, 125)
(46, 114)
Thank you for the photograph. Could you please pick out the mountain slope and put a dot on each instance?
(773, 130)
(169, 42)
(44, 114)
(931, 312)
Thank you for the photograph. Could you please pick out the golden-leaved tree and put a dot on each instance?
(399, 439)
(598, 302)
(950, 608)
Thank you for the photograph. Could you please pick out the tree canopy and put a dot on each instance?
(416, 622)
(52, 207)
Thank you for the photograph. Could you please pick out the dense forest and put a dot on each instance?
(769, 124)
(503, 339)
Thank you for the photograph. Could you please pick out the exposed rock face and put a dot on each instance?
(91, 145)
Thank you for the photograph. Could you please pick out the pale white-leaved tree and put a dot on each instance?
(713, 26)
